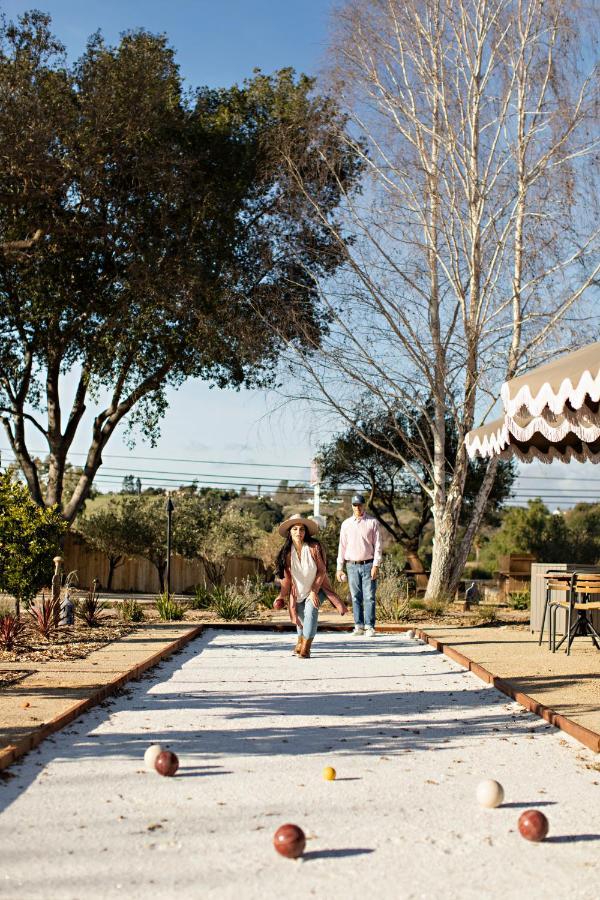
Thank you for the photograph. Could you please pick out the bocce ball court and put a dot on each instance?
(409, 732)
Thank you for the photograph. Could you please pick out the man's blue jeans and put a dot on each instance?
(309, 616)
(362, 590)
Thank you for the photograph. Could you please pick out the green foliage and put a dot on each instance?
(11, 629)
(519, 600)
(417, 604)
(235, 533)
(29, 539)
(266, 512)
(115, 531)
(531, 529)
(373, 455)
(233, 602)
(130, 611)
(90, 608)
(44, 614)
(202, 598)
(169, 609)
(171, 239)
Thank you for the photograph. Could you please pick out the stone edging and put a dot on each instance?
(582, 734)
(11, 753)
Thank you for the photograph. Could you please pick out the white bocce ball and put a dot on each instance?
(490, 793)
(410, 635)
(150, 755)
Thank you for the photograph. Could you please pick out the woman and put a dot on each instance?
(300, 566)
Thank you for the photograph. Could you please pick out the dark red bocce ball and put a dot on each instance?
(290, 841)
(533, 825)
(279, 604)
(166, 763)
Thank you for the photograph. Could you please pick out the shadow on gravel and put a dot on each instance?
(336, 854)
(392, 715)
(571, 838)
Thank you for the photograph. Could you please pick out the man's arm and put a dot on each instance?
(376, 550)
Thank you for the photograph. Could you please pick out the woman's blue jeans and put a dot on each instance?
(362, 590)
(309, 616)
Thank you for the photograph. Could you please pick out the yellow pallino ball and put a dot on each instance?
(329, 773)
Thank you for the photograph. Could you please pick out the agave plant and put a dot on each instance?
(90, 608)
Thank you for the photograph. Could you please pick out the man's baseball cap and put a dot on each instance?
(358, 499)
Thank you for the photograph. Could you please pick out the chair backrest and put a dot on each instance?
(587, 583)
(558, 581)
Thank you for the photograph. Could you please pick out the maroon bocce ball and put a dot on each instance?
(290, 841)
(533, 825)
(278, 604)
(166, 763)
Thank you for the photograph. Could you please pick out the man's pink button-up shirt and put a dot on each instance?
(359, 539)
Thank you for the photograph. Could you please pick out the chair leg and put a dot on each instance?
(544, 621)
(569, 629)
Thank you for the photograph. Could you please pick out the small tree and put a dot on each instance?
(29, 539)
(236, 533)
(114, 531)
(398, 500)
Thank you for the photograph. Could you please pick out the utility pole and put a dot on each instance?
(169, 508)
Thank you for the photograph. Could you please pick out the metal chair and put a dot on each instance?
(585, 585)
(555, 581)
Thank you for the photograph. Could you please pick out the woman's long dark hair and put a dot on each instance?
(287, 546)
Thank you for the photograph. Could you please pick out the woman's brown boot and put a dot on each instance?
(305, 648)
(298, 646)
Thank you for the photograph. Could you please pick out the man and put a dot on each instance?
(360, 550)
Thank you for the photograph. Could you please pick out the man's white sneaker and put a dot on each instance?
(369, 632)
(358, 630)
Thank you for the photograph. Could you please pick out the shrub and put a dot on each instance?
(231, 601)
(519, 600)
(90, 608)
(485, 615)
(392, 592)
(268, 596)
(169, 609)
(11, 628)
(202, 598)
(130, 611)
(437, 606)
(44, 614)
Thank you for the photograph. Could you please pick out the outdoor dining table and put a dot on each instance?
(578, 595)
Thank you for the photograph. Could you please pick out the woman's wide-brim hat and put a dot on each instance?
(311, 526)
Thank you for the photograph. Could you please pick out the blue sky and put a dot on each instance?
(217, 44)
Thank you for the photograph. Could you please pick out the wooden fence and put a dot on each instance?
(138, 574)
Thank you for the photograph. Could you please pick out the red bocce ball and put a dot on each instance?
(533, 825)
(290, 841)
(166, 763)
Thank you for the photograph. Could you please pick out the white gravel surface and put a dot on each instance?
(409, 732)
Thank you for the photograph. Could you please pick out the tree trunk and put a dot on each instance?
(113, 563)
(161, 568)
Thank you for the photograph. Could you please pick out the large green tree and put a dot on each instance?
(149, 235)
(375, 456)
(115, 531)
(29, 539)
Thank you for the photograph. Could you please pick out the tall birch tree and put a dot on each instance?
(475, 238)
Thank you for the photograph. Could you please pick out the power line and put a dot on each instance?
(212, 462)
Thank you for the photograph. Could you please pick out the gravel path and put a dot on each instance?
(409, 733)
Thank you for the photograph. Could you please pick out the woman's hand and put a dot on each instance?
(344, 610)
(314, 599)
